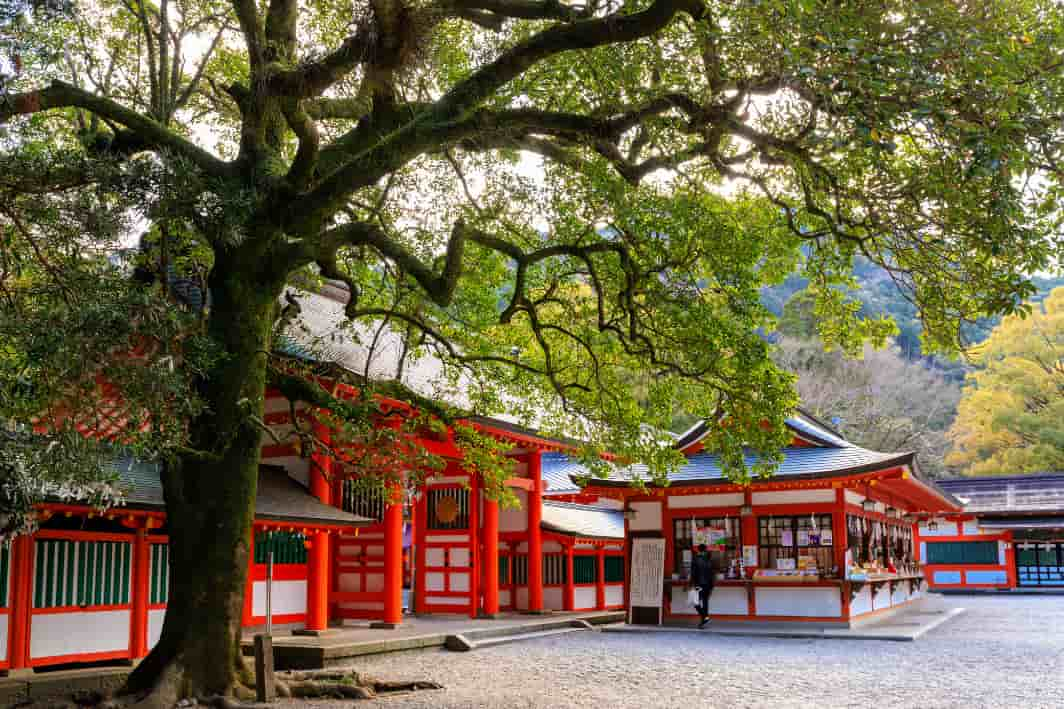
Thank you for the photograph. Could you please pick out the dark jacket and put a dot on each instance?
(703, 570)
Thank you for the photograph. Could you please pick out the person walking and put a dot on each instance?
(703, 575)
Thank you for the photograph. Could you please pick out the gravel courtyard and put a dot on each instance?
(1003, 652)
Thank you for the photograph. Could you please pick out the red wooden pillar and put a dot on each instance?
(393, 561)
(141, 570)
(535, 535)
(570, 582)
(749, 531)
(249, 582)
(490, 557)
(21, 600)
(1010, 560)
(600, 587)
(421, 516)
(475, 560)
(318, 576)
(839, 537)
(840, 543)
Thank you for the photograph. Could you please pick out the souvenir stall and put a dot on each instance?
(827, 539)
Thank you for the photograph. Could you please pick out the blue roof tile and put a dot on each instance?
(583, 520)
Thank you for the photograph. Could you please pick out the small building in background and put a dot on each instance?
(1010, 535)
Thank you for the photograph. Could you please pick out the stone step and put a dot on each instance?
(460, 643)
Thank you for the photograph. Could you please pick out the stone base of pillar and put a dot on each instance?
(545, 611)
(312, 633)
(488, 616)
(381, 625)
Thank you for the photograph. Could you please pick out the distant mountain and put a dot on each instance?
(880, 296)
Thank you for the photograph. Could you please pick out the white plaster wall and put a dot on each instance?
(515, 519)
(434, 556)
(683, 502)
(854, 498)
(970, 526)
(155, 625)
(788, 497)
(522, 547)
(554, 598)
(364, 606)
(862, 602)
(446, 601)
(798, 602)
(584, 597)
(460, 581)
(1002, 553)
(882, 598)
(504, 599)
(434, 581)
(520, 468)
(460, 557)
(433, 538)
(901, 593)
(647, 516)
(3, 636)
(522, 598)
(615, 595)
(551, 546)
(724, 601)
(289, 598)
(57, 634)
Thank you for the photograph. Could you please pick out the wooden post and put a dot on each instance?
(141, 574)
(421, 521)
(535, 535)
(265, 686)
(474, 546)
(393, 562)
(840, 542)
(570, 582)
(21, 600)
(600, 587)
(490, 558)
(318, 576)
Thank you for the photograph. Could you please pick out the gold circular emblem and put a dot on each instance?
(446, 510)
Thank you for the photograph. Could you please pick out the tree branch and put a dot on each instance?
(62, 95)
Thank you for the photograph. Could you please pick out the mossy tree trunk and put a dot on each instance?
(210, 503)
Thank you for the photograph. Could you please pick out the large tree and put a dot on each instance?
(1011, 417)
(547, 196)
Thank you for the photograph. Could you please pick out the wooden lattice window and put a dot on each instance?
(5, 564)
(159, 585)
(288, 548)
(362, 500)
(585, 569)
(792, 537)
(962, 553)
(448, 508)
(520, 577)
(555, 567)
(614, 569)
(81, 573)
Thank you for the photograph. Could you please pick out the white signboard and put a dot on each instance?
(648, 572)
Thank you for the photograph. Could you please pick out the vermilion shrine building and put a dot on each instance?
(827, 539)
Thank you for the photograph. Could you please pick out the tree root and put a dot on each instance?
(316, 684)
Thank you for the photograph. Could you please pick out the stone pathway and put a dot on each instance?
(1005, 652)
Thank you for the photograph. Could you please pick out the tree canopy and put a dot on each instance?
(1011, 417)
(548, 197)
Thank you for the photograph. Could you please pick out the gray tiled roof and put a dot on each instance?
(1024, 523)
(808, 462)
(557, 470)
(1012, 493)
(280, 498)
(583, 520)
